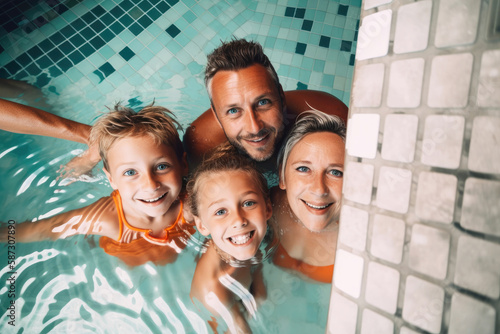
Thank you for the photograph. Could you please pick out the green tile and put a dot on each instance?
(107, 52)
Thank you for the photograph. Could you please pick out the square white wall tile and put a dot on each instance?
(374, 3)
(484, 152)
(442, 143)
(367, 86)
(412, 27)
(388, 238)
(342, 315)
(429, 251)
(393, 192)
(449, 82)
(423, 304)
(358, 182)
(373, 37)
(489, 80)
(353, 227)
(348, 272)
(400, 137)
(480, 207)
(457, 22)
(436, 194)
(469, 315)
(362, 135)
(374, 323)
(382, 286)
(405, 83)
(478, 266)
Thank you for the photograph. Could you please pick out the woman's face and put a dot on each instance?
(313, 180)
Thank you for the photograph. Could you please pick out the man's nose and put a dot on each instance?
(254, 123)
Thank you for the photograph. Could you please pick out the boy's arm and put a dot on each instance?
(97, 218)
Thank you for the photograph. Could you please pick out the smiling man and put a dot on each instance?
(248, 105)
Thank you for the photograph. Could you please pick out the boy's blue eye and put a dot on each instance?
(130, 172)
(302, 169)
(336, 172)
(249, 203)
(162, 166)
(232, 111)
(220, 212)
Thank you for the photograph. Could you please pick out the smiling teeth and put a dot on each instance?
(257, 140)
(154, 199)
(240, 239)
(318, 207)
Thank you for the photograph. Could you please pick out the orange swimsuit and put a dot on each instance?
(135, 246)
(318, 273)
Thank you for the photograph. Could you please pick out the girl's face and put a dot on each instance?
(313, 179)
(233, 210)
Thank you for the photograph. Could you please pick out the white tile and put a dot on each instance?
(374, 323)
(373, 37)
(358, 182)
(367, 85)
(429, 251)
(450, 81)
(382, 286)
(393, 192)
(442, 142)
(400, 137)
(457, 22)
(412, 27)
(480, 207)
(342, 315)
(423, 304)
(469, 315)
(388, 237)
(436, 194)
(362, 135)
(484, 152)
(489, 80)
(405, 83)
(406, 330)
(478, 266)
(353, 227)
(348, 273)
(368, 4)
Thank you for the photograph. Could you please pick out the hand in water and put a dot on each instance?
(81, 164)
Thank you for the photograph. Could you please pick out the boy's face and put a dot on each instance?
(313, 180)
(233, 210)
(148, 176)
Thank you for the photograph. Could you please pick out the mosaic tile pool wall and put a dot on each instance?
(115, 49)
(419, 240)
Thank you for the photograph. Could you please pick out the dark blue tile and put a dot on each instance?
(342, 10)
(100, 75)
(107, 19)
(97, 42)
(46, 45)
(300, 13)
(173, 30)
(68, 31)
(346, 46)
(44, 62)
(40, 21)
(66, 47)
(145, 21)
(61, 9)
(87, 49)
(35, 52)
(301, 86)
(107, 35)
(33, 69)
(127, 53)
(300, 48)
(29, 28)
(10, 26)
(98, 10)
(351, 60)
(307, 25)
(136, 28)
(13, 67)
(78, 24)
(289, 11)
(23, 59)
(117, 28)
(163, 6)
(56, 38)
(20, 75)
(126, 5)
(144, 5)
(98, 26)
(172, 2)
(54, 71)
(154, 14)
(1, 49)
(42, 80)
(126, 20)
(88, 18)
(76, 57)
(64, 64)
(77, 40)
(55, 55)
(106, 69)
(87, 33)
(117, 12)
(324, 41)
(4, 74)
(355, 35)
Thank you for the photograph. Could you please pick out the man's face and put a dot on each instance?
(249, 108)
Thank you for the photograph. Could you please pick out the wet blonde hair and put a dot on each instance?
(121, 122)
(223, 158)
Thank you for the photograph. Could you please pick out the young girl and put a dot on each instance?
(229, 201)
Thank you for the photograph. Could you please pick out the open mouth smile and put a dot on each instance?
(153, 200)
(241, 239)
(317, 207)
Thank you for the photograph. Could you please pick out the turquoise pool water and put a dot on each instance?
(146, 50)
